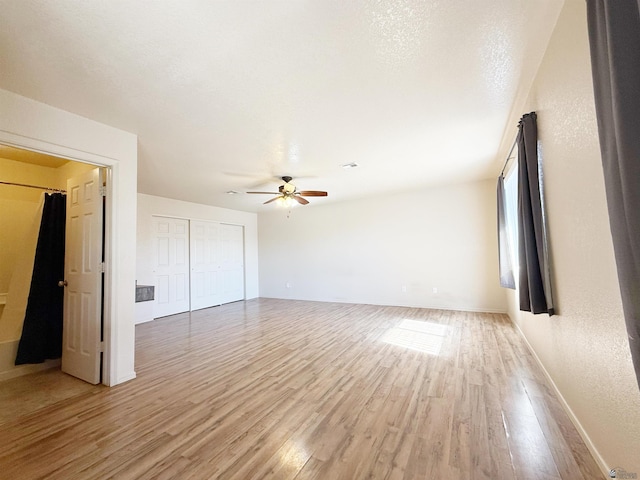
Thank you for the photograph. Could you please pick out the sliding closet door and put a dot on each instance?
(217, 263)
(232, 263)
(171, 265)
(205, 264)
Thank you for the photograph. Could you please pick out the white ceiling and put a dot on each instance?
(225, 94)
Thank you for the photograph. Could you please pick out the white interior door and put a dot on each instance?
(82, 325)
(232, 263)
(171, 265)
(205, 264)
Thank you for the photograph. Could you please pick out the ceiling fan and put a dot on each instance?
(290, 191)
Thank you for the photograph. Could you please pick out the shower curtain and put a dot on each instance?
(42, 329)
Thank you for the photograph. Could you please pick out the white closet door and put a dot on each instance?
(232, 263)
(205, 264)
(171, 265)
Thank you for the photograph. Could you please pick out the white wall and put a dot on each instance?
(149, 205)
(584, 348)
(36, 126)
(366, 251)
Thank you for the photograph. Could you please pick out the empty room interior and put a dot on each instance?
(388, 239)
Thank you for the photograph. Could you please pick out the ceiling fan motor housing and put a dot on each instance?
(287, 188)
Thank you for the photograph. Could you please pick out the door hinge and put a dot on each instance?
(102, 346)
(101, 267)
(102, 190)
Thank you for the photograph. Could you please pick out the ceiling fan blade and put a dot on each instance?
(266, 193)
(300, 200)
(312, 193)
(273, 199)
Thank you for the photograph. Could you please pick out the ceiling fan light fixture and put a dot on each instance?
(288, 194)
(286, 201)
(348, 166)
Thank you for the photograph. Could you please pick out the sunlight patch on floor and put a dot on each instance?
(294, 454)
(424, 337)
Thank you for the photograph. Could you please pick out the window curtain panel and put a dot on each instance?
(42, 329)
(614, 37)
(507, 279)
(534, 283)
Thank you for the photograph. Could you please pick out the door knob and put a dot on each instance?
(62, 283)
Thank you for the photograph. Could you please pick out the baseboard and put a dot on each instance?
(426, 307)
(581, 431)
(124, 378)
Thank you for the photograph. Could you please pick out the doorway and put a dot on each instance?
(22, 170)
(31, 125)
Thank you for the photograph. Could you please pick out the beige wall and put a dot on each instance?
(387, 250)
(584, 348)
(19, 209)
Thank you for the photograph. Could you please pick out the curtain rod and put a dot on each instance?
(34, 186)
(509, 157)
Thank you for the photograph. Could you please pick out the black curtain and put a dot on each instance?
(42, 330)
(507, 279)
(614, 35)
(535, 281)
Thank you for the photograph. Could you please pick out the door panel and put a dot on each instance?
(83, 273)
(171, 265)
(217, 264)
(232, 263)
(205, 264)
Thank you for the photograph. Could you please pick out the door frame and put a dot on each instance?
(111, 231)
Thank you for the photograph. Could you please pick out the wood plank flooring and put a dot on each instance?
(303, 390)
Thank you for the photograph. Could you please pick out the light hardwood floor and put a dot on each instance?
(302, 390)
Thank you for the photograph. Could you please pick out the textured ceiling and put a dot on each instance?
(225, 94)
